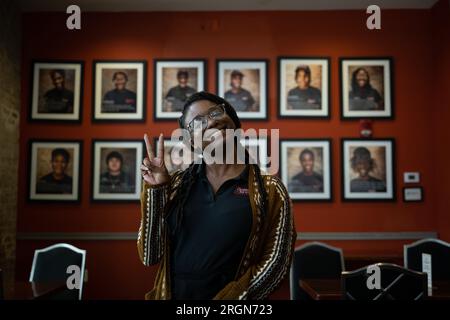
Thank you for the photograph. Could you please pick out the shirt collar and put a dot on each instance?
(243, 176)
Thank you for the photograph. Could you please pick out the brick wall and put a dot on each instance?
(10, 38)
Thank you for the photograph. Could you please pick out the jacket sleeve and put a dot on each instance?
(265, 275)
(150, 242)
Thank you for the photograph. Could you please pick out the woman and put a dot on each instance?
(307, 180)
(363, 164)
(363, 96)
(219, 231)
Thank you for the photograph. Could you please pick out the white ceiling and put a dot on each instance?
(220, 5)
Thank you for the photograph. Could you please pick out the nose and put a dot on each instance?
(212, 123)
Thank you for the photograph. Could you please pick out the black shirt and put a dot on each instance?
(119, 101)
(58, 101)
(178, 96)
(116, 184)
(370, 185)
(207, 249)
(306, 183)
(48, 184)
(309, 99)
(241, 100)
(366, 98)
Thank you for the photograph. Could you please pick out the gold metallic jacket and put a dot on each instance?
(267, 255)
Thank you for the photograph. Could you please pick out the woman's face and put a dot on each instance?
(120, 81)
(59, 164)
(302, 79)
(58, 80)
(202, 107)
(307, 162)
(363, 168)
(114, 165)
(362, 78)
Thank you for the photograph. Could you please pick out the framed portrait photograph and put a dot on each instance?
(116, 174)
(173, 154)
(366, 88)
(55, 170)
(258, 150)
(243, 83)
(304, 87)
(119, 90)
(306, 168)
(175, 81)
(57, 91)
(368, 171)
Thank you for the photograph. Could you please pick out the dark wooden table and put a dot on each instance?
(330, 289)
(322, 289)
(25, 290)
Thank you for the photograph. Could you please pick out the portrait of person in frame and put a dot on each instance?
(57, 91)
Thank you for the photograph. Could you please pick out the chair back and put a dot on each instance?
(440, 257)
(314, 260)
(50, 265)
(384, 281)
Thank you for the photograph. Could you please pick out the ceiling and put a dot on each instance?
(220, 5)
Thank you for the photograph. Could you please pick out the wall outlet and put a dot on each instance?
(411, 177)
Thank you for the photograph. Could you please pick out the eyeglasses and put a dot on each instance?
(214, 113)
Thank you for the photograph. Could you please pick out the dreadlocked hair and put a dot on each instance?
(190, 175)
(188, 179)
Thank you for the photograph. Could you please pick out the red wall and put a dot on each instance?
(114, 269)
(441, 47)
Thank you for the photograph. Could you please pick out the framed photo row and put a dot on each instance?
(368, 168)
(304, 88)
(55, 170)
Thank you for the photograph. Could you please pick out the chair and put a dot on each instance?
(440, 257)
(50, 265)
(314, 260)
(396, 283)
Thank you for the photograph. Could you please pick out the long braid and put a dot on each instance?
(187, 180)
(259, 179)
(262, 190)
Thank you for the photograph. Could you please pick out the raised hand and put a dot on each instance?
(153, 169)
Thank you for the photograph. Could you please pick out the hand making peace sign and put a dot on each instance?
(153, 169)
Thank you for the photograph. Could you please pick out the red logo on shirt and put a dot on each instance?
(239, 191)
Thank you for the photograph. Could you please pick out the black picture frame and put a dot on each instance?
(264, 90)
(329, 194)
(391, 196)
(115, 197)
(391, 90)
(33, 115)
(281, 113)
(95, 118)
(157, 107)
(32, 196)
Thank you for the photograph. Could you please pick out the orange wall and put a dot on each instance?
(441, 47)
(405, 35)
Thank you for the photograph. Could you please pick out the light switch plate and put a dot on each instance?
(411, 177)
